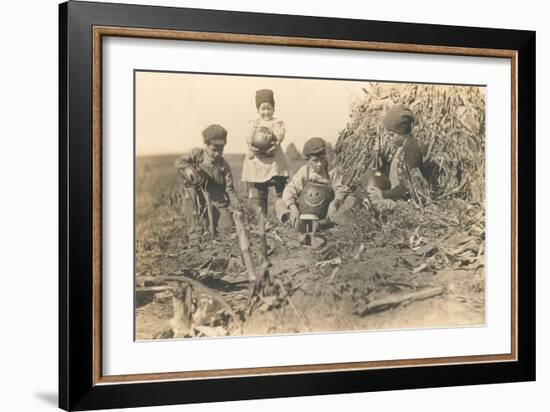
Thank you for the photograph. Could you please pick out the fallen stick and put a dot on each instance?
(290, 276)
(359, 252)
(398, 284)
(205, 289)
(395, 300)
(209, 210)
(244, 245)
(333, 274)
(152, 289)
(332, 262)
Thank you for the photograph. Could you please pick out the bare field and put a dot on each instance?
(407, 268)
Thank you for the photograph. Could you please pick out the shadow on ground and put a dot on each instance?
(49, 398)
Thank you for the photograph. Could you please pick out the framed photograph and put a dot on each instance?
(256, 205)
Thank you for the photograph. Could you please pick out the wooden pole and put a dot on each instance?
(244, 245)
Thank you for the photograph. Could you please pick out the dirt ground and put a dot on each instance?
(371, 277)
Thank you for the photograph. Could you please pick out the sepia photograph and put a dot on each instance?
(285, 205)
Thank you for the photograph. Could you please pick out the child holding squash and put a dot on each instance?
(265, 164)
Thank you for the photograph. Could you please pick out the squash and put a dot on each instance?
(263, 139)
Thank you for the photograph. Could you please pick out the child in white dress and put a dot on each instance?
(265, 164)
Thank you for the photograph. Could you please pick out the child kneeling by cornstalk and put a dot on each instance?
(403, 166)
(314, 193)
(208, 184)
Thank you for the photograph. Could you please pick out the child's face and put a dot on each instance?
(215, 150)
(317, 162)
(266, 111)
(397, 139)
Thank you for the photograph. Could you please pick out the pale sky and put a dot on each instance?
(173, 108)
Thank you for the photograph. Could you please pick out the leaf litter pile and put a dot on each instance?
(410, 264)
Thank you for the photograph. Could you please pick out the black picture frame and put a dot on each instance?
(78, 389)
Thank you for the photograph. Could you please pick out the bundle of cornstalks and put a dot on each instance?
(292, 152)
(449, 127)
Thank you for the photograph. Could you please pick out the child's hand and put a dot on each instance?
(250, 154)
(375, 192)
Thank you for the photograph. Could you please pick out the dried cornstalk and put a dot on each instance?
(397, 299)
(449, 127)
(209, 210)
(183, 312)
(244, 245)
(261, 233)
(190, 284)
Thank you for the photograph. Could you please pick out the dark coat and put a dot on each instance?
(411, 156)
(220, 184)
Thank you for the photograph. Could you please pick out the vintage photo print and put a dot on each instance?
(278, 205)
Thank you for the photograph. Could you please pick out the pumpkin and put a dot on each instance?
(263, 139)
(315, 199)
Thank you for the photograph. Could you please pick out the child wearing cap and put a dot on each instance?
(405, 153)
(265, 164)
(207, 176)
(321, 186)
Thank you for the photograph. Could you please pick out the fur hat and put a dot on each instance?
(264, 96)
(214, 134)
(314, 146)
(399, 119)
